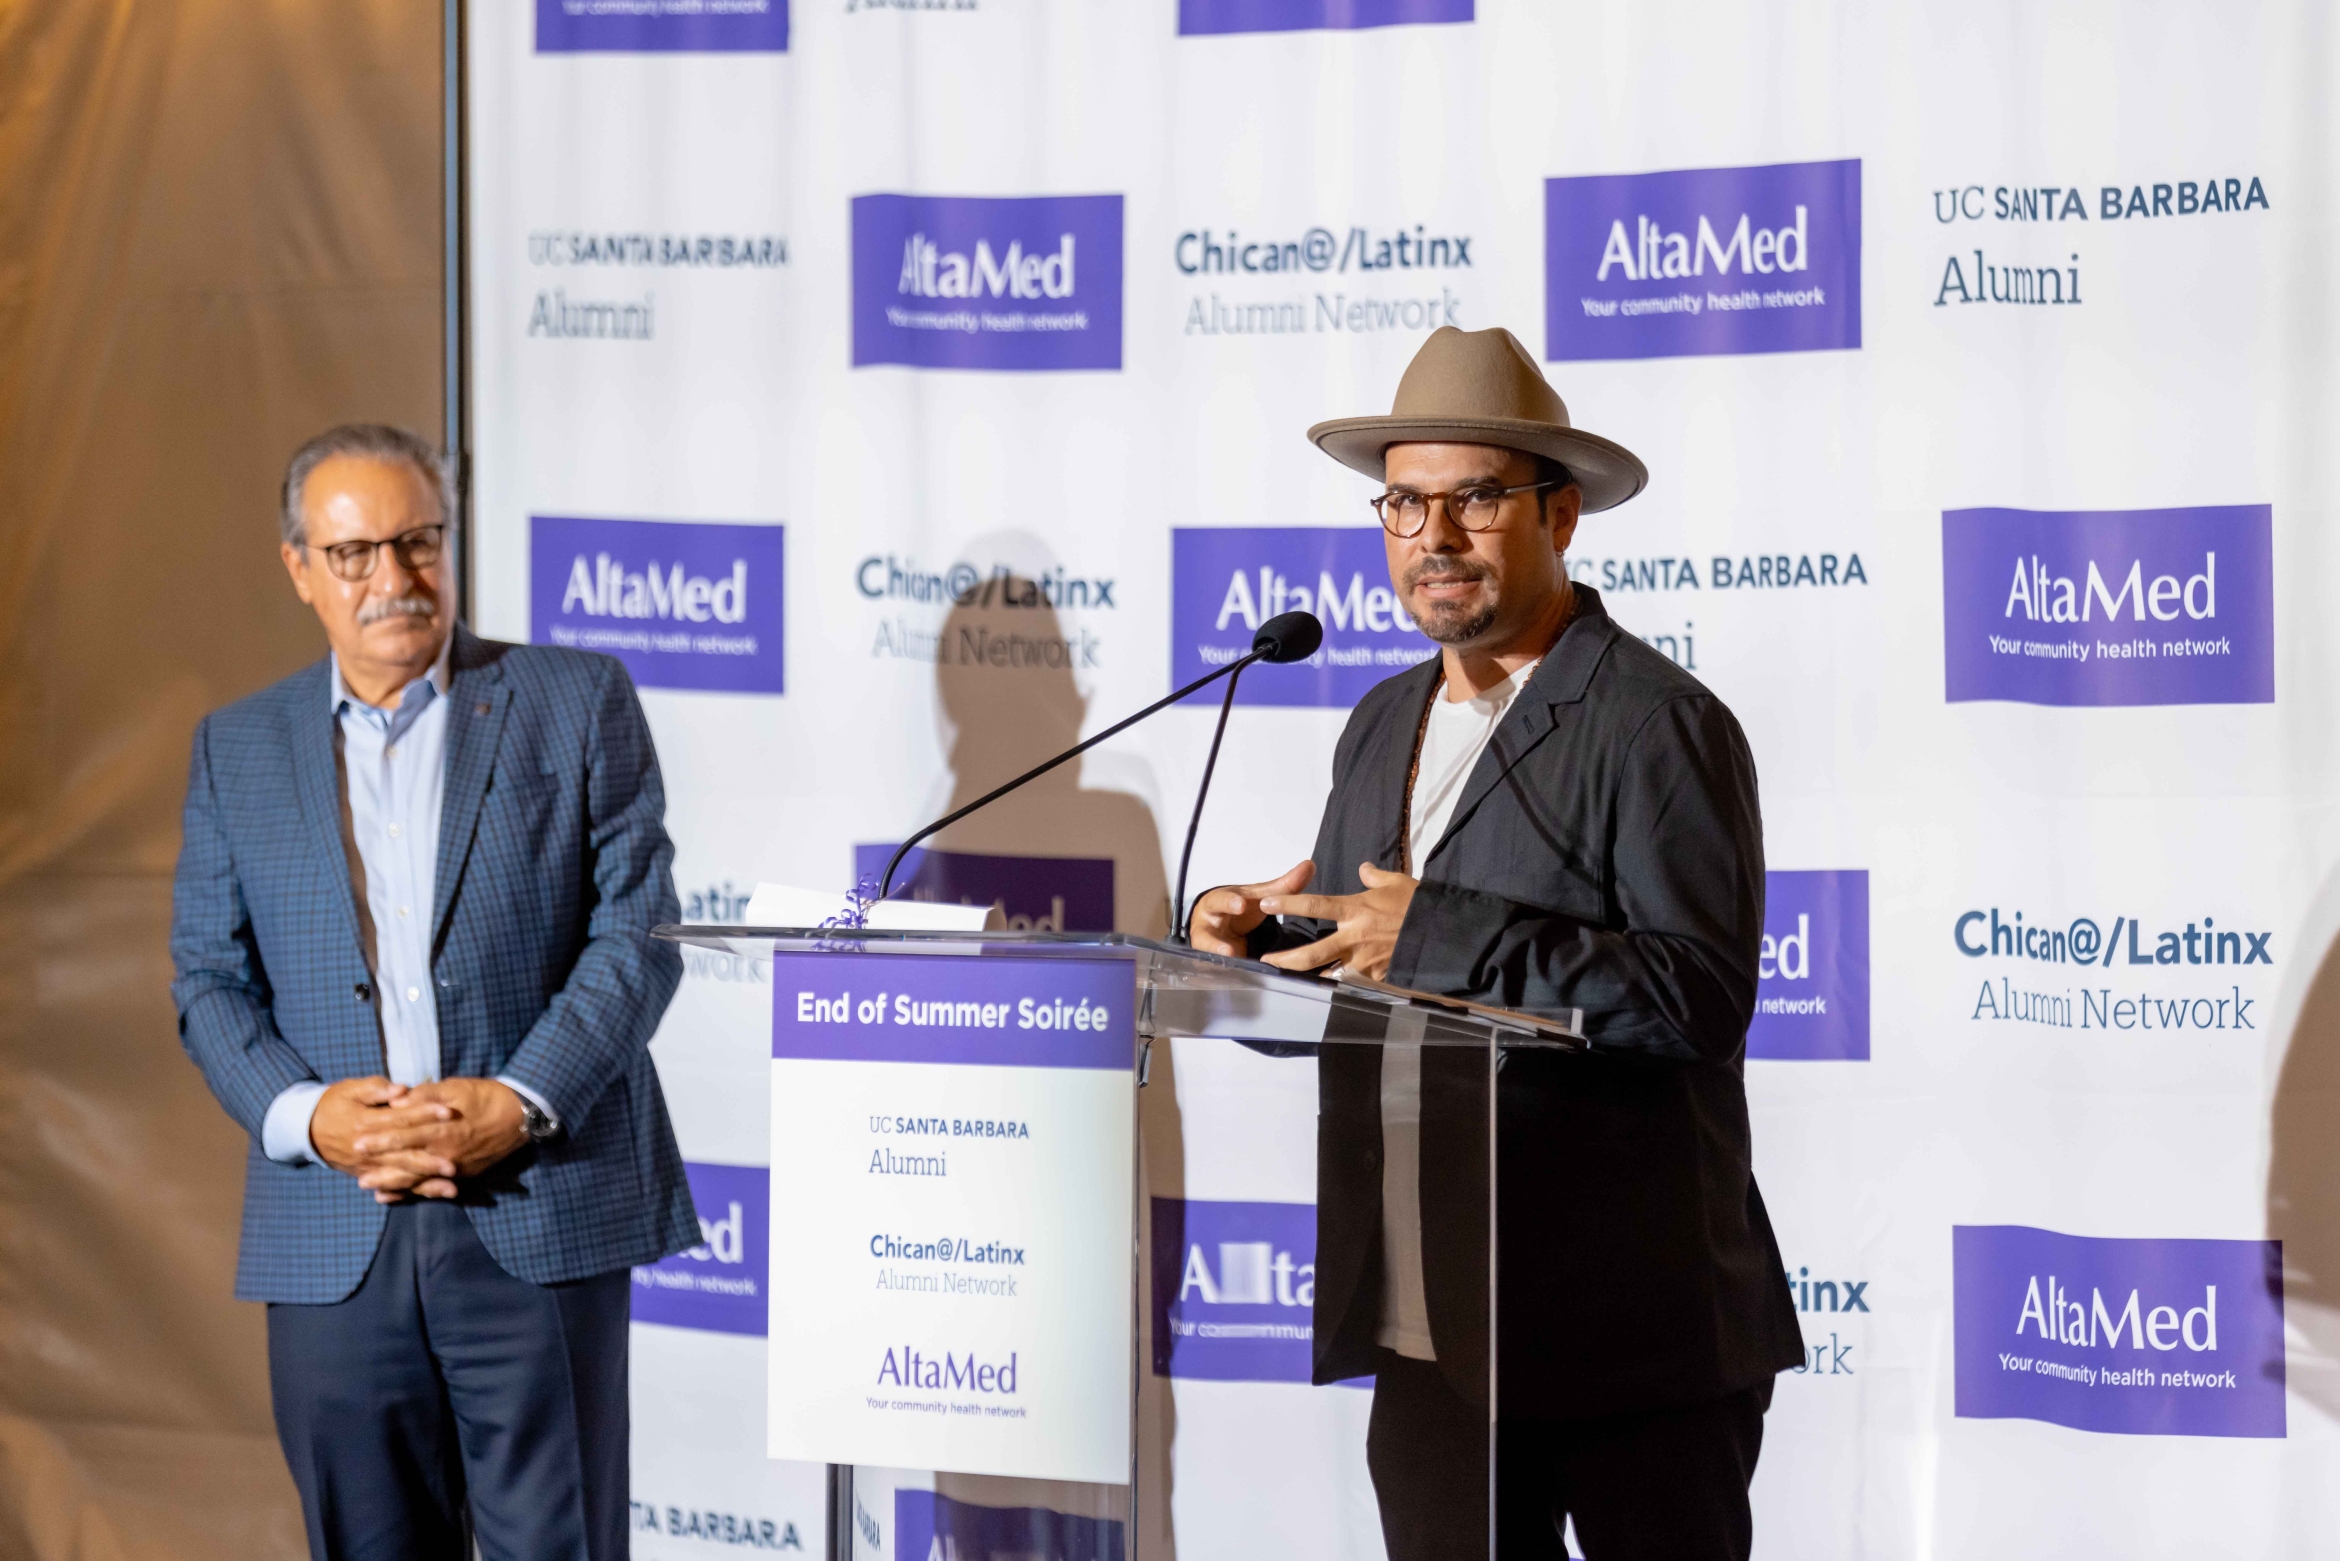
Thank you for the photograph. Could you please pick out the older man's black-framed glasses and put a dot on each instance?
(1474, 508)
(416, 549)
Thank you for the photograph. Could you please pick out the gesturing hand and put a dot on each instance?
(1223, 919)
(478, 1122)
(1366, 926)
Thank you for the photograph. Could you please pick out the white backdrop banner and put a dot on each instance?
(903, 389)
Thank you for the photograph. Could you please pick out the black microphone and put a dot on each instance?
(1291, 636)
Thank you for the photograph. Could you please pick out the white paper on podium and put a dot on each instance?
(784, 905)
(951, 1230)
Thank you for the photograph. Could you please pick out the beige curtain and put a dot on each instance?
(219, 232)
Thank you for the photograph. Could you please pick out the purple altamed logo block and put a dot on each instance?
(1812, 993)
(1034, 893)
(683, 605)
(2143, 1337)
(1225, 581)
(1206, 17)
(1234, 1290)
(661, 26)
(1703, 261)
(928, 1524)
(977, 282)
(718, 1285)
(2109, 607)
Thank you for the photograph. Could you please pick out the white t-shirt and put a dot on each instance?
(1457, 733)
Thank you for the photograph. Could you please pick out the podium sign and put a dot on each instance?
(953, 1143)
(955, 1248)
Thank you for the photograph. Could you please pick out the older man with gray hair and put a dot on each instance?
(411, 934)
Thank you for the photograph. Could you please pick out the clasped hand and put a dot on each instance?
(1365, 925)
(404, 1141)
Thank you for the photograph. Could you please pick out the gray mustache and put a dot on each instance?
(380, 607)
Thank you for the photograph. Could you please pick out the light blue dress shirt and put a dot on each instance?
(393, 767)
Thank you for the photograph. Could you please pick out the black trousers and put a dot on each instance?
(1656, 1485)
(445, 1399)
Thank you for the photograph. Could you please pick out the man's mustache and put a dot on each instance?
(1446, 569)
(413, 605)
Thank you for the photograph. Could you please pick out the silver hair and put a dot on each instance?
(371, 441)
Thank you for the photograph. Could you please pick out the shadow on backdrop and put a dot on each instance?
(1008, 673)
(1007, 680)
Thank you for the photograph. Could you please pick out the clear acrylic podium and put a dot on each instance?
(1046, 1256)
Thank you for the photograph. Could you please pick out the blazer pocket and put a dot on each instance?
(523, 777)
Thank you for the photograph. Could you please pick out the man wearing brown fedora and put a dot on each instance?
(1548, 815)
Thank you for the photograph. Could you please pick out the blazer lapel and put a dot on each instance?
(1529, 722)
(478, 701)
(317, 781)
(1561, 679)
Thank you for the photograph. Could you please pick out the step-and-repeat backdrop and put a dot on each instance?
(903, 387)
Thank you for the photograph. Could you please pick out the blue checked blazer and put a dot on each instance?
(553, 866)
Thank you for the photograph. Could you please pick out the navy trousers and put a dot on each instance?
(446, 1400)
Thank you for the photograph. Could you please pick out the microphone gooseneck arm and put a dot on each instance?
(1178, 900)
(886, 884)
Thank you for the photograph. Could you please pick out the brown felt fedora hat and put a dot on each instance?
(1481, 387)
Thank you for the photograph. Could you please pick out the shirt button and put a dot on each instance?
(414, 994)
(402, 910)
(390, 752)
(394, 831)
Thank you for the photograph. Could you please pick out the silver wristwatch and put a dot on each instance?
(533, 1120)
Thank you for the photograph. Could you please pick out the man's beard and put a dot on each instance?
(1452, 623)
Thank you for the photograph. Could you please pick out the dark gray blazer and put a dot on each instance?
(1607, 854)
